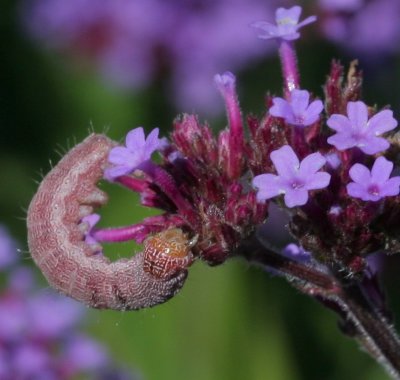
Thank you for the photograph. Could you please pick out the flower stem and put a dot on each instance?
(290, 71)
(137, 232)
(369, 327)
(374, 332)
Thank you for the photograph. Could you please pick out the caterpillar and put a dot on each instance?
(56, 240)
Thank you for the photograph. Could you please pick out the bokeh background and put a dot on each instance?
(70, 67)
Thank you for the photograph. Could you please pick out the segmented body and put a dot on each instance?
(56, 241)
(167, 253)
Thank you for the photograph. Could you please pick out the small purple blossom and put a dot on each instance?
(333, 160)
(85, 354)
(287, 24)
(294, 179)
(356, 130)
(8, 249)
(297, 253)
(225, 83)
(297, 111)
(137, 152)
(375, 184)
(51, 316)
(90, 220)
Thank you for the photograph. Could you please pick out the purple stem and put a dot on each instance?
(235, 137)
(134, 184)
(137, 232)
(290, 72)
(299, 140)
(167, 184)
(233, 112)
(233, 144)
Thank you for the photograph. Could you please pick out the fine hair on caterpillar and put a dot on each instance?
(68, 193)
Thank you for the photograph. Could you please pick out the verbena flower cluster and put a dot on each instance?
(325, 157)
(331, 159)
(40, 337)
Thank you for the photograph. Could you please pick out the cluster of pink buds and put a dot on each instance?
(328, 163)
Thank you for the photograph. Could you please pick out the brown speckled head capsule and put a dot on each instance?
(167, 253)
(56, 240)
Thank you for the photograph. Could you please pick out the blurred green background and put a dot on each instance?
(229, 322)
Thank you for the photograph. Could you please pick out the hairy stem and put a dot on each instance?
(374, 331)
(290, 71)
(369, 327)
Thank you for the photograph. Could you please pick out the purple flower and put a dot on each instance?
(8, 249)
(294, 179)
(21, 279)
(90, 221)
(287, 24)
(85, 354)
(225, 83)
(297, 253)
(357, 131)
(13, 318)
(375, 184)
(30, 360)
(52, 316)
(333, 160)
(137, 152)
(297, 111)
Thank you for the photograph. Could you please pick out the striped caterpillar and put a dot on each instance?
(56, 240)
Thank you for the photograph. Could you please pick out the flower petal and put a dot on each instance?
(307, 21)
(311, 164)
(269, 30)
(391, 187)
(315, 108)
(135, 139)
(280, 108)
(382, 122)
(267, 185)
(339, 123)
(153, 143)
(116, 171)
(342, 141)
(372, 145)
(360, 174)
(292, 14)
(121, 156)
(318, 181)
(358, 114)
(289, 35)
(381, 170)
(285, 161)
(297, 197)
(299, 101)
(264, 25)
(356, 190)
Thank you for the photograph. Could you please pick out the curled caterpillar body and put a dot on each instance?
(56, 240)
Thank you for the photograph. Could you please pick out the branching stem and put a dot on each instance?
(371, 329)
